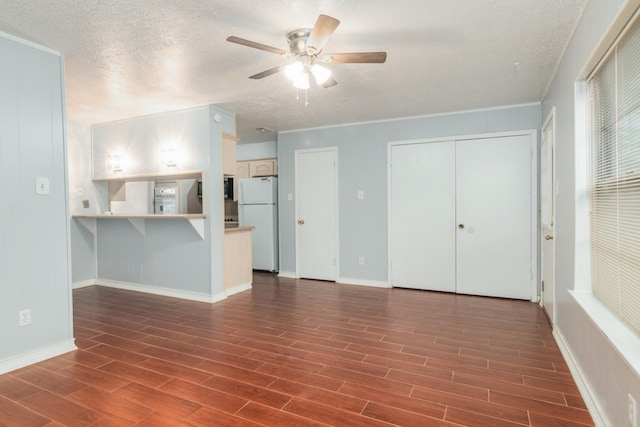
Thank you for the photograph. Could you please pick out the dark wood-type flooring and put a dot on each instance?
(299, 353)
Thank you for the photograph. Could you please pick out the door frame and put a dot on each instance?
(549, 121)
(534, 184)
(297, 153)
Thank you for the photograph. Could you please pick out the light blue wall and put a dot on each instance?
(362, 165)
(256, 150)
(83, 241)
(34, 254)
(607, 375)
(170, 254)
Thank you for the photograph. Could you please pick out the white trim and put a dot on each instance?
(30, 44)
(363, 282)
(596, 412)
(534, 234)
(616, 30)
(549, 121)
(288, 274)
(83, 284)
(237, 289)
(36, 356)
(336, 201)
(424, 116)
(156, 290)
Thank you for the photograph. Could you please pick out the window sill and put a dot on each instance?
(622, 338)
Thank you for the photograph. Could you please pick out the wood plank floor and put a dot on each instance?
(299, 353)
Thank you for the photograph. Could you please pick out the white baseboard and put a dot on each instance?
(35, 356)
(361, 282)
(237, 289)
(287, 274)
(83, 284)
(156, 290)
(590, 400)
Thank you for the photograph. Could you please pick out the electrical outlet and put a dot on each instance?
(24, 317)
(361, 260)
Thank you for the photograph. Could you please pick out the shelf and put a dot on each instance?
(138, 221)
(142, 216)
(153, 177)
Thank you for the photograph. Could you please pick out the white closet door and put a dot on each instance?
(422, 218)
(493, 205)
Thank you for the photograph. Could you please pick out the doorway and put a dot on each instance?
(547, 215)
(462, 215)
(316, 213)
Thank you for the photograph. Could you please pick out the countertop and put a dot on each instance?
(238, 229)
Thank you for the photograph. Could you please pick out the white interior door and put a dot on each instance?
(422, 216)
(316, 205)
(494, 209)
(547, 217)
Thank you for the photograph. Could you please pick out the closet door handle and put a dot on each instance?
(460, 226)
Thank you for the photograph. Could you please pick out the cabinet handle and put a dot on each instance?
(301, 221)
(548, 237)
(460, 226)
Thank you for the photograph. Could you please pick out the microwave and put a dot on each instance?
(228, 187)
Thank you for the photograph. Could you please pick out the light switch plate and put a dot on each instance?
(42, 185)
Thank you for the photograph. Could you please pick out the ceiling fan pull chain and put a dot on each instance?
(297, 94)
(306, 98)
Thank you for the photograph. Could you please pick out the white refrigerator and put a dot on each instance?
(258, 206)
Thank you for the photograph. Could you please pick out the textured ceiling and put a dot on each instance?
(128, 58)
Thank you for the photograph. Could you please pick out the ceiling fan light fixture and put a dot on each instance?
(320, 73)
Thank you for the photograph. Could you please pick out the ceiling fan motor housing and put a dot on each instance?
(298, 42)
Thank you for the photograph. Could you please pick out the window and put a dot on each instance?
(614, 92)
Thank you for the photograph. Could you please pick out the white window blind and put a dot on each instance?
(614, 92)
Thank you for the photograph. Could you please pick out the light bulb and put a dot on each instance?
(320, 73)
(294, 70)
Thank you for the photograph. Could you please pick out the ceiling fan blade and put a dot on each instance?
(322, 31)
(329, 83)
(266, 73)
(357, 58)
(256, 45)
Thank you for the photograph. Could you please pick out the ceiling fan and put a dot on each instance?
(305, 46)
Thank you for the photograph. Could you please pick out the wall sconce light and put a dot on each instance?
(114, 163)
(171, 157)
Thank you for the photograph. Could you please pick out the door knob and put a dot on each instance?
(548, 237)
(301, 221)
(460, 226)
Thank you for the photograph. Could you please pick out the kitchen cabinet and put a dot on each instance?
(265, 167)
(229, 154)
(238, 261)
(243, 170)
(253, 168)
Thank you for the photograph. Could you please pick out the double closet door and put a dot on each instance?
(462, 215)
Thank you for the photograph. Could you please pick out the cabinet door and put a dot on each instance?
(228, 154)
(242, 171)
(263, 167)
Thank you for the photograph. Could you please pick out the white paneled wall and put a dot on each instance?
(34, 249)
